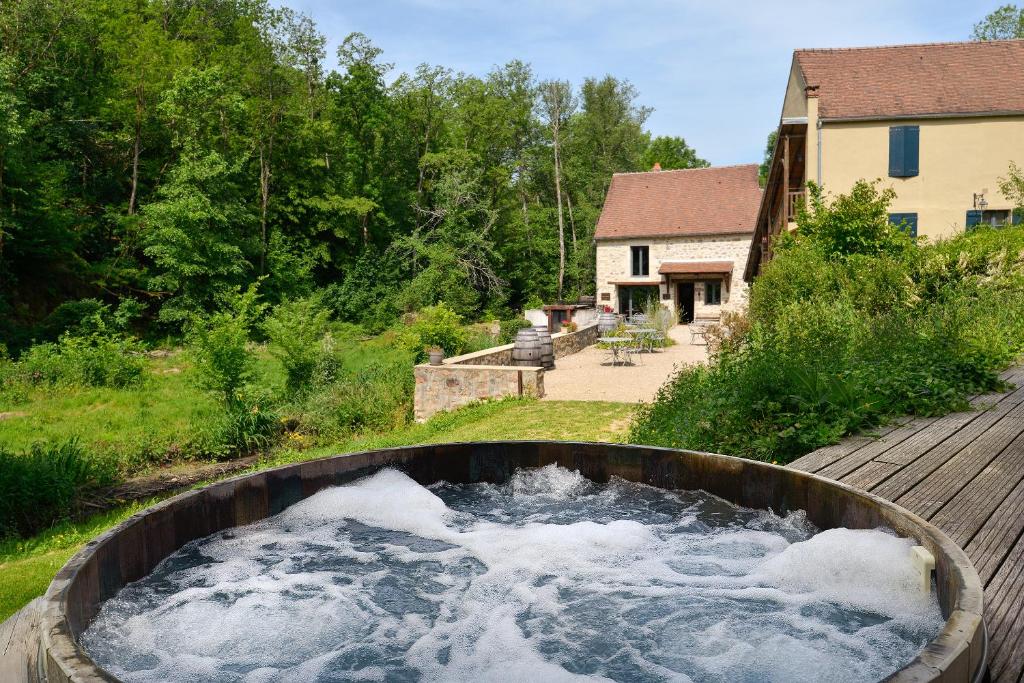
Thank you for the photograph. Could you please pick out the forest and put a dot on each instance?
(157, 156)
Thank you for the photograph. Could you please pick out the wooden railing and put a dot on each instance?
(794, 199)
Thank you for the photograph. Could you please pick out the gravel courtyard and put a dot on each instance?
(588, 375)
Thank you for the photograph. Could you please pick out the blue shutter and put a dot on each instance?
(911, 150)
(905, 221)
(896, 151)
(904, 151)
(1018, 217)
(973, 219)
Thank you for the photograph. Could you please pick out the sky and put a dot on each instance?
(713, 70)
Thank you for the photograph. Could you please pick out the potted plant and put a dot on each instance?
(569, 327)
(436, 354)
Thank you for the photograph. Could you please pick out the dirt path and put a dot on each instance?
(588, 376)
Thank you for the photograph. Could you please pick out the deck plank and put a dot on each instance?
(1003, 599)
(952, 476)
(996, 538)
(964, 471)
(866, 454)
(915, 472)
(963, 515)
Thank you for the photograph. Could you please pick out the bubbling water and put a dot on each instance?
(547, 578)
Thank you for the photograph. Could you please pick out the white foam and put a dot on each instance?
(494, 593)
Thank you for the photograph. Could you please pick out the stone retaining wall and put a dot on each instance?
(447, 387)
(564, 343)
(487, 374)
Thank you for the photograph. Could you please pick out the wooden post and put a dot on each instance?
(785, 183)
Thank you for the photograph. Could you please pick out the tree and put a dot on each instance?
(1004, 23)
(766, 164)
(854, 223)
(1012, 187)
(671, 153)
(557, 104)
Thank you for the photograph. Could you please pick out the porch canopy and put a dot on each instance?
(697, 268)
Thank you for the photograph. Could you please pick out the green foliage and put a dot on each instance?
(854, 223)
(296, 330)
(437, 326)
(97, 360)
(671, 153)
(1003, 23)
(43, 484)
(840, 340)
(223, 363)
(766, 162)
(509, 328)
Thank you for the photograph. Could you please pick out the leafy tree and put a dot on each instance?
(1012, 187)
(769, 149)
(671, 153)
(218, 343)
(850, 224)
(1004, 23)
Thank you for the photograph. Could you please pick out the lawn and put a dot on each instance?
(27, 566)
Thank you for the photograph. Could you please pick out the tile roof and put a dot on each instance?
(695, 267)
(689, 202)
(914, 80)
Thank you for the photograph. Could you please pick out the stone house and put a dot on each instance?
(938, 123)
(681, 237)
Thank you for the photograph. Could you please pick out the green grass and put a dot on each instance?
(27, 566)
(135, 426)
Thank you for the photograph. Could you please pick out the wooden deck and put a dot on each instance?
(964, 473)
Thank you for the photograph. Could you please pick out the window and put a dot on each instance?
(713, 293)
(995, 218)
(904, 148)
(905, 221)
(641, 258)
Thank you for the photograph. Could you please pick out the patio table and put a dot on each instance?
(645, 337)
(617, 345)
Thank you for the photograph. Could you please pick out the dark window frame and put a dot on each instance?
(909, 217)
(713, 286)
(640, 260)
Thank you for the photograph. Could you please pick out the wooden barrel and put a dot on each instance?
(547, 347)
(527, 349)
(606, 322)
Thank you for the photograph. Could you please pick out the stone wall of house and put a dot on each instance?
(447, 387)
(487, 374)
(613, 265)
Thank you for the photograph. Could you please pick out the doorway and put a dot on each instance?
(684, 296)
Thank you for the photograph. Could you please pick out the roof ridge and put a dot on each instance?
(948, 43)
(678, 170)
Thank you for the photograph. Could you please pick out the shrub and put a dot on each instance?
(436, 326)
(96, 360)
(377, 396)
(219, 342)
(249, 425)
(43, 485)
(296, 330)
(509, 328)
(855, 223)
(844, 333)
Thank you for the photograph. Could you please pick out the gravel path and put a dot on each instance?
(588, 376)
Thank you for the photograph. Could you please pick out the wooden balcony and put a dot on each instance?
(794, 199)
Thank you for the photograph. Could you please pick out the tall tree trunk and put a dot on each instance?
(136, 148)
(572, 221)
(264, 202)
(561, 219)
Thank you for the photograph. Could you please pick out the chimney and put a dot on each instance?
(656, 167)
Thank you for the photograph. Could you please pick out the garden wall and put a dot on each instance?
(446, 387)
(487, 374)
